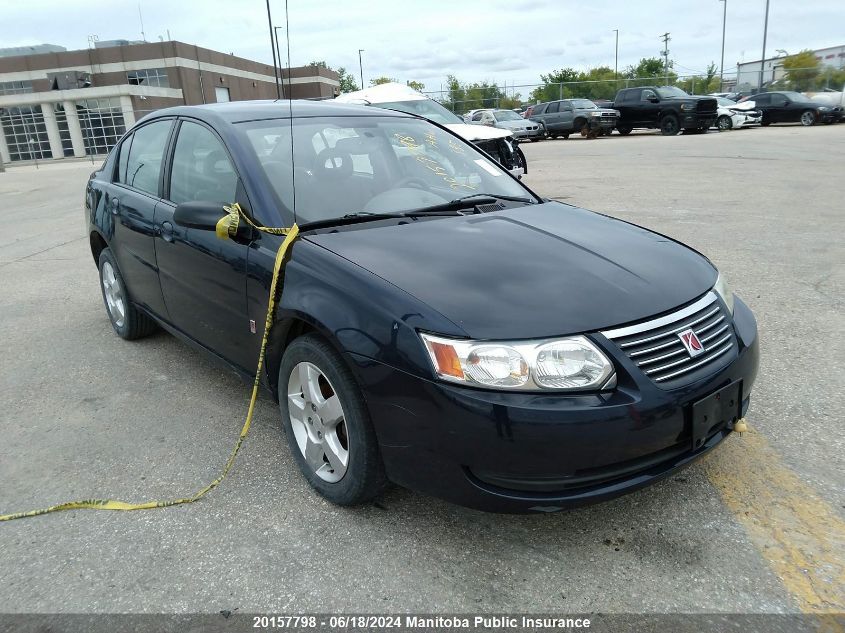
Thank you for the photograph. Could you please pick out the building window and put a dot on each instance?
(221, 94)
(15, 87)
(102, 124)
(26, 133)
(149, 77)
(64, 130)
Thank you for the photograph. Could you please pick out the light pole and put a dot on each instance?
(273, 48)
(616, 58)
(361, 67)
(279, 52)
(722, 64)
(765, 33)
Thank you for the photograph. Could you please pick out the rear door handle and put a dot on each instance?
(167, 231)
(114, 205)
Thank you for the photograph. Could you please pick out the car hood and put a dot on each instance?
(530, 272)
(744, 105)
(477, 132)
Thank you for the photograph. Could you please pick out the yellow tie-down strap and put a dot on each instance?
(226, 228)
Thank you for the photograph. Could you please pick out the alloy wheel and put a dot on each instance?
(724, 123)
(808, 118)
(115, 297)
(318, 422)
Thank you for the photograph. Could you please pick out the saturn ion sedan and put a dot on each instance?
(440, 325)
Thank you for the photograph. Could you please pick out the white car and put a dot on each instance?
(499, 144)
(731, 115)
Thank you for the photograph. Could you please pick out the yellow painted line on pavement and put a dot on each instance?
(800, 535)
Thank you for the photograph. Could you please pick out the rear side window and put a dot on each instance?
(764, 99)
(539, 109)
(779, 100)
(143, 165)
(552, 107)
(201, 167)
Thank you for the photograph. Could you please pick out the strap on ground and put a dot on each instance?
(226, 228)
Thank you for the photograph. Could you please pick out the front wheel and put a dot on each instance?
(624, 131)
(327, 423)
(669, 125)
(808, 117)
(724, 123)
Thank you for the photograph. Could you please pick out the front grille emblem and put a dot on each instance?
(691, 343)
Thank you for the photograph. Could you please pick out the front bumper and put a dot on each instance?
(695, 120)
(527, 134)
(744, 120)
(522, 452)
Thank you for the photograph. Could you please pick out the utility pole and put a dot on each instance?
(273, 48)
(616, 58)
(722, 64)
(763, 57)
(665, 37)
(361, 67)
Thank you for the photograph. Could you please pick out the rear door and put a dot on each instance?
(552, 117)
(203, 277)
(131, 200)
(763, 102)
(782, 109)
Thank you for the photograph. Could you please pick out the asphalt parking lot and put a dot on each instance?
(756, 528)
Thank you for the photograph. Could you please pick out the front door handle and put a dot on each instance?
(114, 205)
(167, 231)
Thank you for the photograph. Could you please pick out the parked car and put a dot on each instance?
(567, 116)
(498, 143)
(792, 107)
(667, 108)
(736, 115)
(832, 98)
(505, 120)
(439, 324)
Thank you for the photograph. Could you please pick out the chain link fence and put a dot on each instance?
(472, 97)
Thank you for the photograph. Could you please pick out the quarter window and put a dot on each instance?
(143, 166)
(201, 167)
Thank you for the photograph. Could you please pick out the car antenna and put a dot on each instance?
(290, 113)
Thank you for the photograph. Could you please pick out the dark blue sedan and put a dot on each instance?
(440, 325)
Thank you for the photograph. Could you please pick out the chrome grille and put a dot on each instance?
(656, 348)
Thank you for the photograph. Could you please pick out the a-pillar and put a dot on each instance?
(74, 129)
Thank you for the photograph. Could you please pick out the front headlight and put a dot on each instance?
(596, 114)
(687, 106)
(565, 364)
(723, 290)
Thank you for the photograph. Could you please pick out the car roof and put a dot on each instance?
(238, 111)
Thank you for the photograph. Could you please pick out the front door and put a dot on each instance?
(203, 277)
(566, 115)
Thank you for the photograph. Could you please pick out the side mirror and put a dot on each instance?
(198, 215)
(654, 99)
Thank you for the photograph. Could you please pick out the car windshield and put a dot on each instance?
(669, 92)
(797, 96)
(583, 104)
(507, 115)
(370, 165)
(427, 108)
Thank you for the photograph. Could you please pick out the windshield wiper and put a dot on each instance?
(471, 200)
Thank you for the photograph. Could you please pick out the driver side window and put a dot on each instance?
(201, 168)
(647, 95)
(476, 116)
(779, 100)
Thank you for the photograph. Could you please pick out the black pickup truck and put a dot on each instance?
(668, 108)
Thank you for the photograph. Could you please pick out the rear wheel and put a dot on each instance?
(128, 322)
(327, 423)
(669, 125)
(565, 135)
(624, 131)
(724, 123)
(808, 117)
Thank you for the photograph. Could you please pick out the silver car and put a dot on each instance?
(506, 120)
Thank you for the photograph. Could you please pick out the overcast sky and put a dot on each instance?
(497, 40)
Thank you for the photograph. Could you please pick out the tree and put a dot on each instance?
(382, 80)
(647, 67)
(802, 70)
(596, 83)
(347, 81)
(320, 64)
(416, 85)
(461, 97)
(553, 88)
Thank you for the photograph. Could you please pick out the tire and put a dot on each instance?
(344, 463)
(565, 135)
(544, 133)
(808, 118)
(624, 131)
(669, 125)
(765, 123)
(724, 123)
(128, 322)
